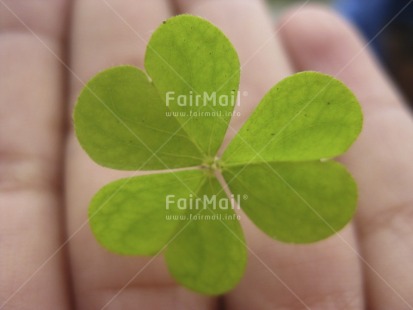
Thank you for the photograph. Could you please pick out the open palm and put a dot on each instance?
(48, 256)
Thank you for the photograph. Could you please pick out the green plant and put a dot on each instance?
(278, 161)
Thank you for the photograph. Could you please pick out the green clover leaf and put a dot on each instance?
(279, 161)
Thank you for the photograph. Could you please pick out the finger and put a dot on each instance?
(381, 158)
(278, 275)
(31, 84)
(108, 33)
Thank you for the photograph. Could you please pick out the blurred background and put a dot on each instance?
(279, 5)
(386, 24)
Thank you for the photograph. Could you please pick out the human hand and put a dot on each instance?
(48, 256)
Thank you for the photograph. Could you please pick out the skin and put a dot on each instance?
(49, 258)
